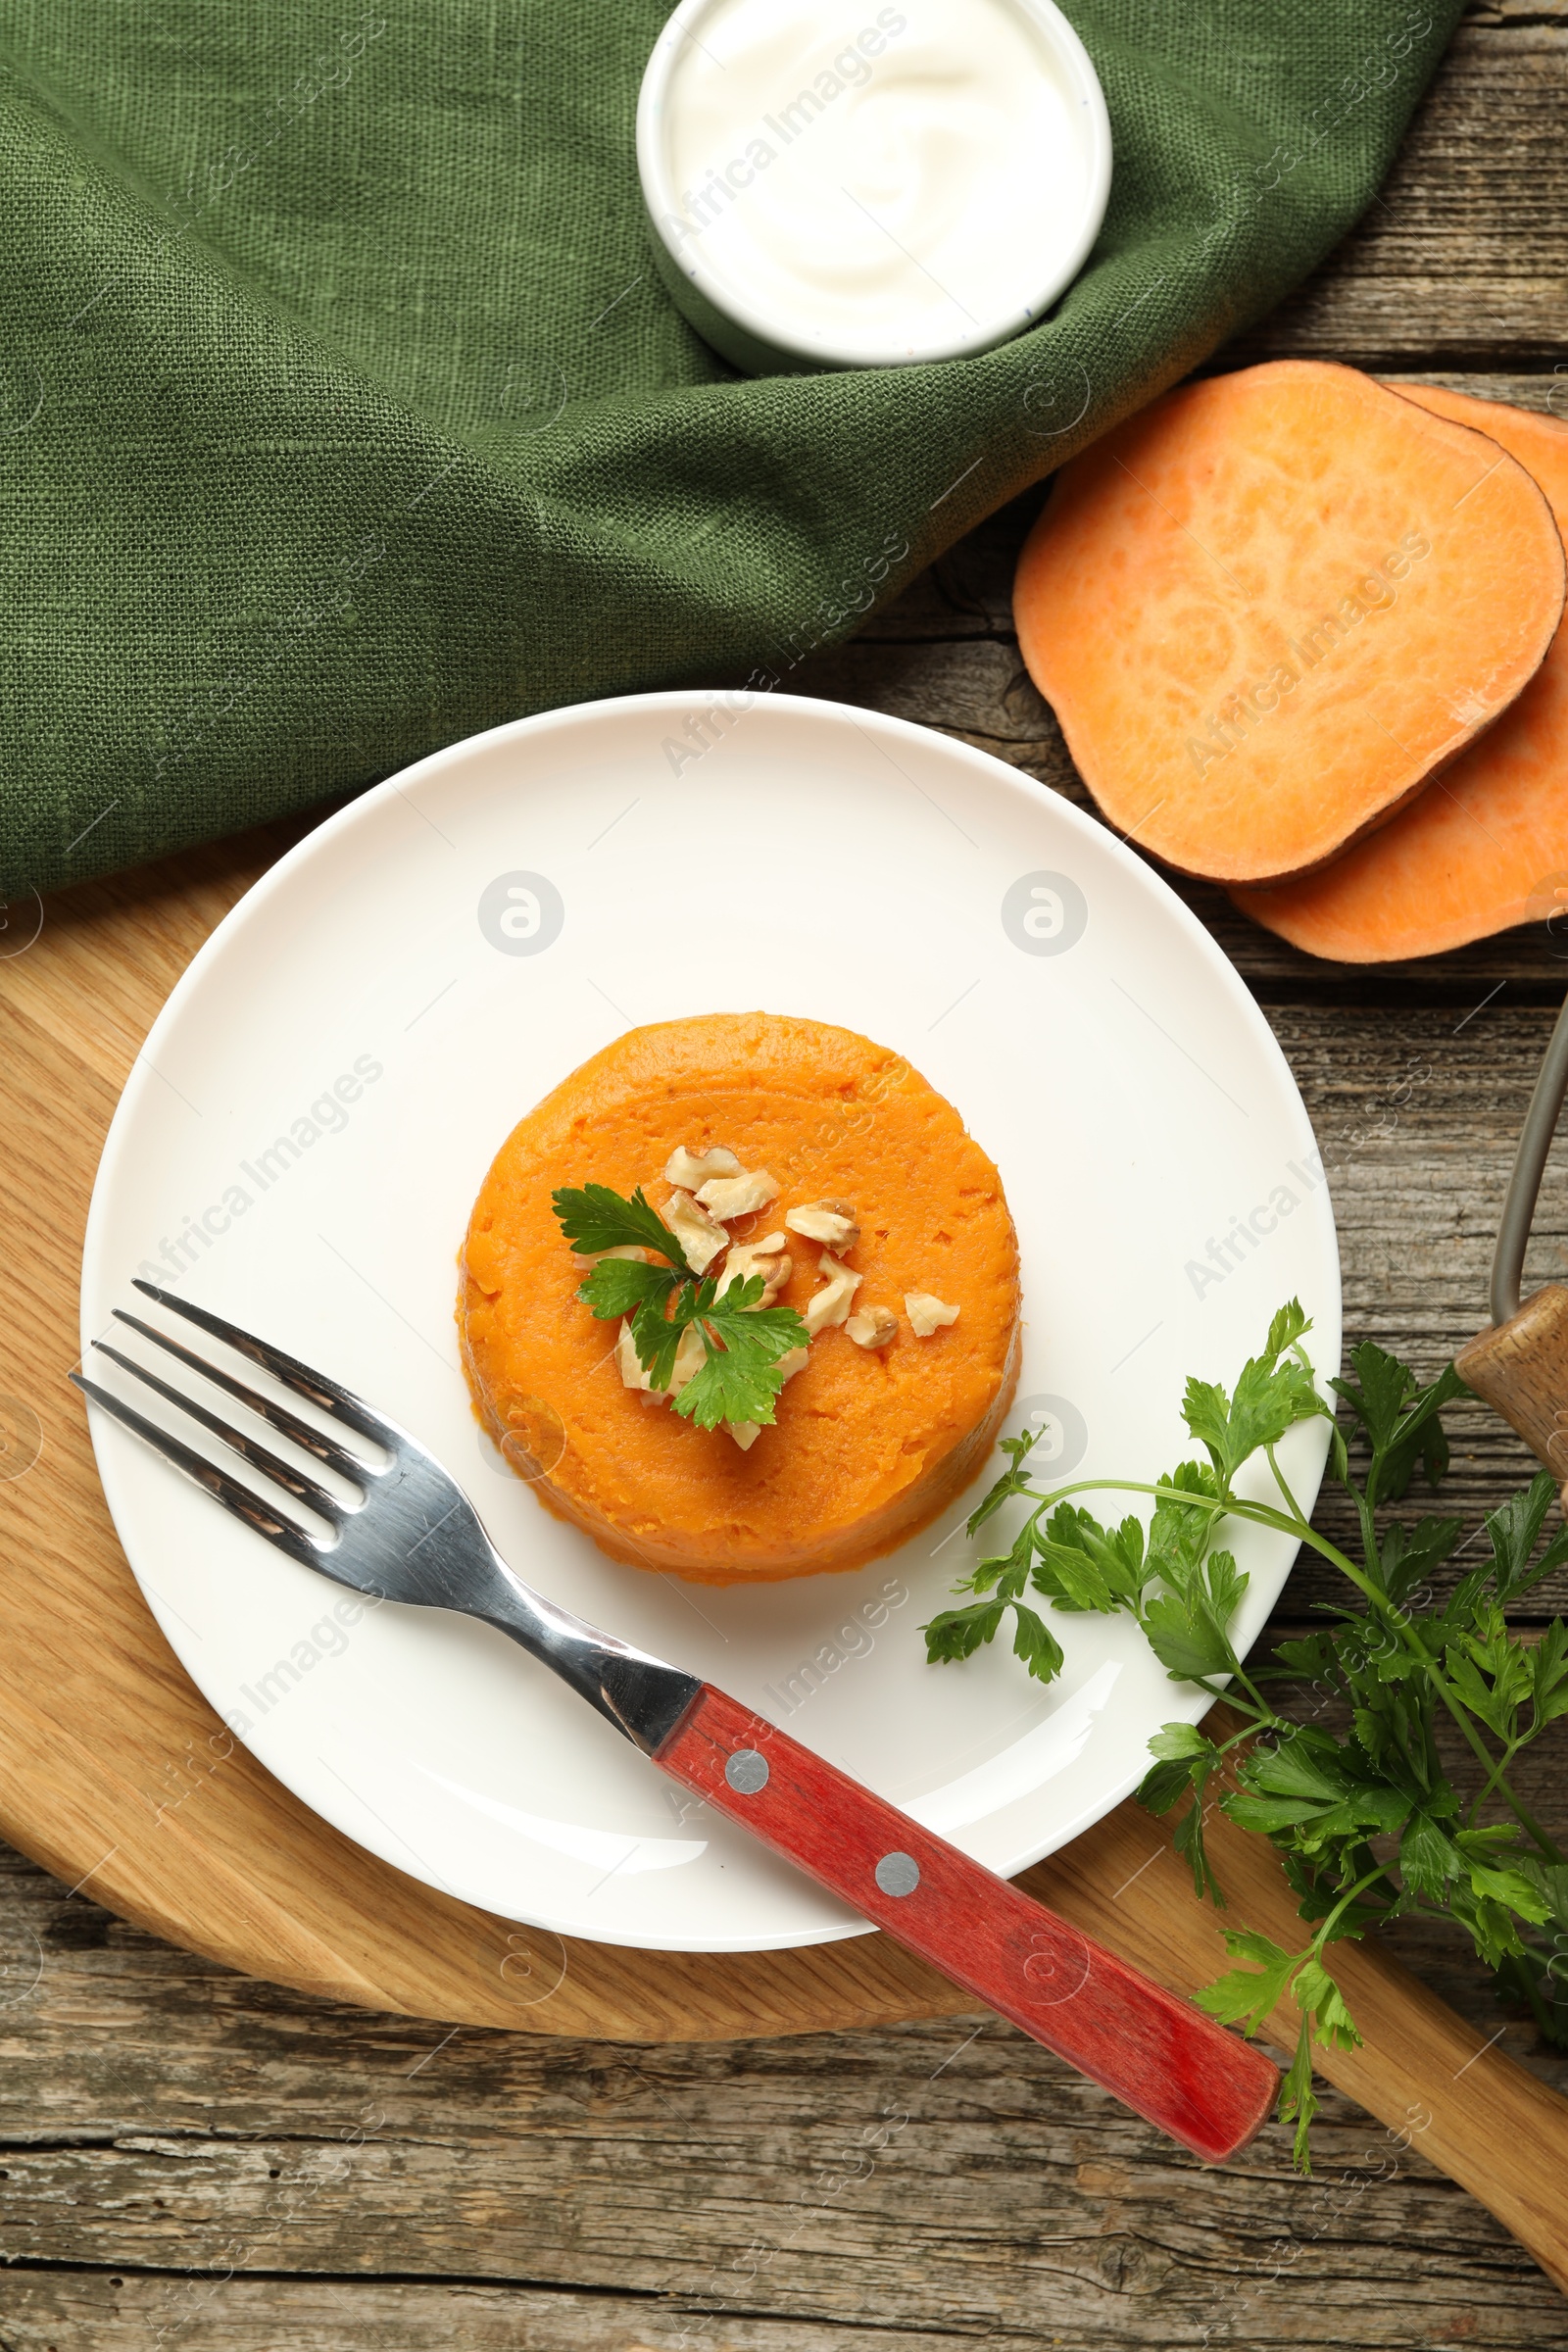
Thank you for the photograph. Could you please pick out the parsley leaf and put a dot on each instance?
(743, 1342)
(1244, 1996)
(619, 1285)
(1298, 2099)
(1514, 1532)
(1082, 1565)
(1407, 1557)
(656, 1330)
(954, 1634)
(1273, 1392)
(1186, 1625)
(1247, 1996)
(593, 1217)
(1185, 1758)
(1014, 1480)
(1397, 1418)
(1369, 1820)
(1034, 1642)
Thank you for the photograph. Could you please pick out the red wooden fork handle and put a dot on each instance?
(1165, 2059)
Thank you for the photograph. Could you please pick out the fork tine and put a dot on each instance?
(260, 1457)
(315, 1386)
(303, 1433)
(215, 1482)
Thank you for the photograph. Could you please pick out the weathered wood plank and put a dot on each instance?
(1083, 2296)
(913, 2180)
(1460, 259)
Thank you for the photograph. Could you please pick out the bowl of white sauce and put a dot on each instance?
(834, 183)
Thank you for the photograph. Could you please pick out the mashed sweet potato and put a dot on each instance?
(868, 1444)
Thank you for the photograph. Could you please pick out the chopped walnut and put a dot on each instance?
(776, 1241)
(728, 1196)
(690, 1357)
(701, 1240)
(830, 1221)
(587, 1260)
(830, 1305)
(631, 1368)
(927, 1313)
(689, 1169)
(745, 1260)
(873, 1326)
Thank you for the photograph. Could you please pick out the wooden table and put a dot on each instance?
(195, 2160)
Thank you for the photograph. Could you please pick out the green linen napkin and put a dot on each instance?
(342, 412)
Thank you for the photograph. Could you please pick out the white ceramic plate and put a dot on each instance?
(300, 1143)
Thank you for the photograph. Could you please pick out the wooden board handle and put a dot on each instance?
(1152, 2050)
(1521, 1368)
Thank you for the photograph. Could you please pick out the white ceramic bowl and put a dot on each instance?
(760, 337)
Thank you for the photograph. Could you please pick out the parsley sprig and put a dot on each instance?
(743, 1340)
(1367, 1821)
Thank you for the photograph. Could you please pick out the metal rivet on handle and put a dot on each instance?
(747, 1771)
(898, 1874)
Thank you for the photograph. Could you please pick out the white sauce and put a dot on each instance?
(880, 183)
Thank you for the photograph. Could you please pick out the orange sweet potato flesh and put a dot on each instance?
(1268, 607)
(868, 1445)
(1485, 845)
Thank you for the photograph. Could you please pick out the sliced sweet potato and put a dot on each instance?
(1267, 609)
(1485, 845)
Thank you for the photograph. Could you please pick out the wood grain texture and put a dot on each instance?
(1521, 1368)
(182, 2146)
(1460, 257)
(193, 2160)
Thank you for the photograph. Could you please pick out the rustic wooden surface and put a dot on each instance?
(193, 2160)
(117, 1776)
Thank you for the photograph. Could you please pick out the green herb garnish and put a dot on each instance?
(743, 1340)
(1396, 1664)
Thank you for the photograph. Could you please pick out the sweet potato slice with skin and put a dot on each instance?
(1485, 845)
(1268, 607)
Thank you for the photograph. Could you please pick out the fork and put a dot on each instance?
(414, 1538)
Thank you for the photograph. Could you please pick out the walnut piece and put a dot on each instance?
(872, 1327)
(631, 1369)
(690, 1357)
(830, 1305)
(689, 1169)
(728, 1196)
(830, 1221)
(587, 1260)
(745, 1260)
(701, 1240)
(927, 1313)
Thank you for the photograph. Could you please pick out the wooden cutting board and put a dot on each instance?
(117, 1776)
